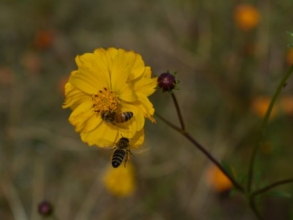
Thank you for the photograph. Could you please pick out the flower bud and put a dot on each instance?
(45, 208)
(167, 82)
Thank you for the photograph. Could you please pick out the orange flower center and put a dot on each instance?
(105, 100)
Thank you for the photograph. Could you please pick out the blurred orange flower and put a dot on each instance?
(246, 17)
(120, 181)
(286, 104)
(289, 56)
(260, 105)
(218, 180)
(44, 39)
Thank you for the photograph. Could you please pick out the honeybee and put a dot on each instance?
(111, 117)
(121, 151)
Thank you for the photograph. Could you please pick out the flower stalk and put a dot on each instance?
(263, 127)
(183, 131)
(248, 192)
(271, 186)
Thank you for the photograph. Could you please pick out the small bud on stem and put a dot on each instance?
(45, 208)
(167, 82)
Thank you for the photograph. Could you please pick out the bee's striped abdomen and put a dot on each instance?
(123, 117)
(118, 157)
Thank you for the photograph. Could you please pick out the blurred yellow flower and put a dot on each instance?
(112, 80)
(218, 181)
(259, 106)
(120, 181)
(246, 17)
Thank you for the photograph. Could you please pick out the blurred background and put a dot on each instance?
(230, 57)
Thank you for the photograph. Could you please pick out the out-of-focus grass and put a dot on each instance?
(222, 70)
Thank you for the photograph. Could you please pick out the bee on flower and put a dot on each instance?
(107, 85)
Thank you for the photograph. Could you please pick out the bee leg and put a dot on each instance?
(131, 153)
(127, 157)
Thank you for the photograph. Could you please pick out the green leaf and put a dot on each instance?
(290, 33)
(278, 193)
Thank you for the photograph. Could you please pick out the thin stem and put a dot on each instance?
(211, 158)
(178, 111)
(263, 127)
(254, 209)
(204, 151)
(169, 123)
(271, 186)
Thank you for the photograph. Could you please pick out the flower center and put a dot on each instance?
(105, 100)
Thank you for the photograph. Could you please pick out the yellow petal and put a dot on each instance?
(137, 140)
(138, 68)
(147, 72)
(74, 97)
(122, 65)
(104, 135)
(92, 74)
(112, 53)
(92, 123)
(80, 115)
(145, 106)
(146, 86)
(84, 82)
(126, 93)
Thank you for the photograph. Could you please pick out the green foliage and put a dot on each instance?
(279, 193)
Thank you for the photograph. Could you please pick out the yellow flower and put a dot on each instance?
(246, 17)
(217, 179)
(109, 80)
(120, 181)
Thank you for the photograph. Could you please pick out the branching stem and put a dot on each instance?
(263, 127)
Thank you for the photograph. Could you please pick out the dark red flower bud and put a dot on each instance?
(167, 82)
(45, 208)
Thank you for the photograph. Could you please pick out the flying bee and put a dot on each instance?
(112, 117)
(121, 151)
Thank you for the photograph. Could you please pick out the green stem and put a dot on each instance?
(263, 127)
(254, 209)
(203, 150)
(178, 111)
(271, 186)
(211, 158)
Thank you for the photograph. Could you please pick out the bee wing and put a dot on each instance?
(139, 150)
